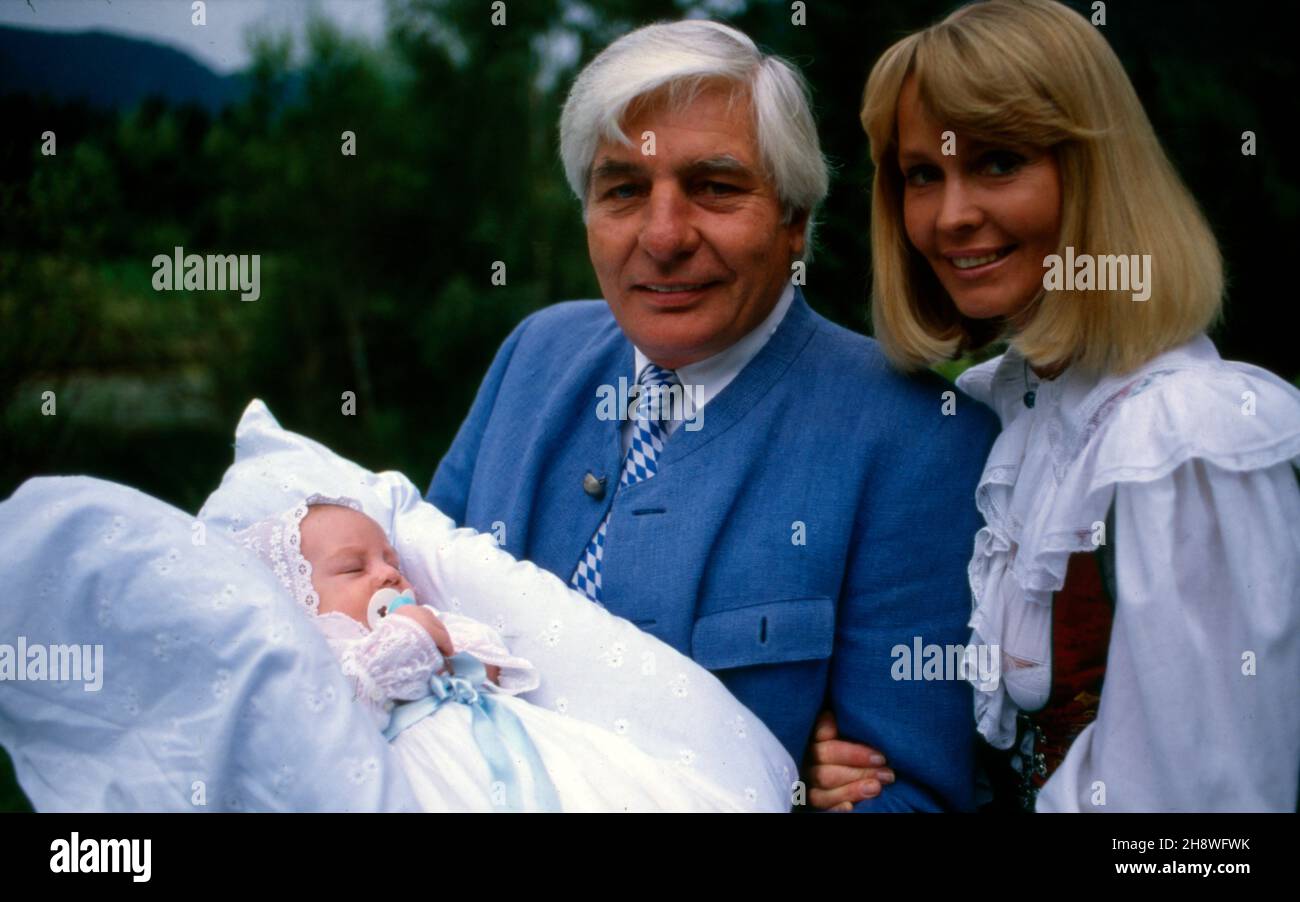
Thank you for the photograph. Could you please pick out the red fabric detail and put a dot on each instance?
(1082, 614)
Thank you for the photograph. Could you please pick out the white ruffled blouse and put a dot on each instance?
(1195, 455)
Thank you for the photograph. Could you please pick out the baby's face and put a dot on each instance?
(350, 559)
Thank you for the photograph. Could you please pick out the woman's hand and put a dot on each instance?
(842, 773)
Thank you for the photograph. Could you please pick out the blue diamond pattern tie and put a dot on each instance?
(641, 463)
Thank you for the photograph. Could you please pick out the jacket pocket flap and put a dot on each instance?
(792, 629)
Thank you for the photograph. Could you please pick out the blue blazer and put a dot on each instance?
(823, 515)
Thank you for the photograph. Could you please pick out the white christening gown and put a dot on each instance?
(591, 769)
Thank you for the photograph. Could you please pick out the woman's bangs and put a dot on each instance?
(983, 94)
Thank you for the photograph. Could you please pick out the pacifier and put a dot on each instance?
(384, 602)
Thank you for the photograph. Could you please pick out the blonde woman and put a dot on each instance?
(1139, 567)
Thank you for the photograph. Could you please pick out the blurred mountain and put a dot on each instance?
(108, 70)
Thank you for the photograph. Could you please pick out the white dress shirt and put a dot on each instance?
(704, 380)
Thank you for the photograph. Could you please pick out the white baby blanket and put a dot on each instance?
(157, 666)
(226, 679)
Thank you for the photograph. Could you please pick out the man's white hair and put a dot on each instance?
(680, 57)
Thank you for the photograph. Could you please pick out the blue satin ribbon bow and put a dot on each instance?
(497, 730)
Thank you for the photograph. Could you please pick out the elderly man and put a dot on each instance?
(702, 453)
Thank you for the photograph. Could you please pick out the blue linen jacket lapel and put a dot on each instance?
(751, 384)
(564, 516)
(658, 547)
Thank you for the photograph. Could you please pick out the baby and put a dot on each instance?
(444, 687)
(351, 560)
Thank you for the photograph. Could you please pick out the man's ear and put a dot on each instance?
(798, 226)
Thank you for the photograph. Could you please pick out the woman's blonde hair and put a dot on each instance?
(1033, 72)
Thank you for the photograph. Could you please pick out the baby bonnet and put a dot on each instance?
(277, 542)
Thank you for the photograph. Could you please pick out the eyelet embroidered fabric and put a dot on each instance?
(601, 671)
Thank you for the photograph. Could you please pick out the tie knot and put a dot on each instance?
(656, 375)
(658, 401)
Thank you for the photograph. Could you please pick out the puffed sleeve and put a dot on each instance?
(393, 662)
(1199, 709)
(483, 642)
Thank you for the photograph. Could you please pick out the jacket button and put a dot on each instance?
(593, 486)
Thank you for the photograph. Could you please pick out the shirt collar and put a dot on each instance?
(715, 373)
(1076, 395)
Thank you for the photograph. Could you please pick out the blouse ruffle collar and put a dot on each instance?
(1051, 475)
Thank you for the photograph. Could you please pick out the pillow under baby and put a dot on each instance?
(594, 666)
